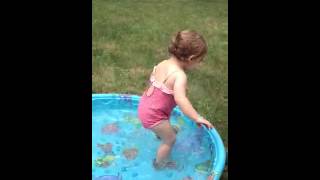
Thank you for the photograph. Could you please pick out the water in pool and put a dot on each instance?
(123, 149)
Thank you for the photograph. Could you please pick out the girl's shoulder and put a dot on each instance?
(171, 69)
(163, 62)
(181, 75)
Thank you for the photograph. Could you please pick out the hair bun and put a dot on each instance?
(187, 43)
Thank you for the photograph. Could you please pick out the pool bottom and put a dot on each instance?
(122, 148)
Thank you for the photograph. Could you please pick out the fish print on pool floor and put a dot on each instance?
(110, 128)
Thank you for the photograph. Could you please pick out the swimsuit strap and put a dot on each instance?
(154, 70)
(152, 77)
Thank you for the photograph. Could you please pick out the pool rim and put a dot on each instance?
(218, 162)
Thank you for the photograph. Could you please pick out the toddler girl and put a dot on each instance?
(168, 83)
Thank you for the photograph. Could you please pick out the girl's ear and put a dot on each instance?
(190, 58)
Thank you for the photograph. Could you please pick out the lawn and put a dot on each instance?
(131, 36)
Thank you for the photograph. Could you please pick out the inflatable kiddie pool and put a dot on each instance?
(123, 150)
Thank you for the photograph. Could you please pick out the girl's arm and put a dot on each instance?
(183, 102)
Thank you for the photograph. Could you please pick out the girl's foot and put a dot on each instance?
(167, 164)
(210, 177)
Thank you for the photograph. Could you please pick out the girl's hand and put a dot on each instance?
(201, 120)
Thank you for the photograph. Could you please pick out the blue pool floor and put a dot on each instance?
(121, 147)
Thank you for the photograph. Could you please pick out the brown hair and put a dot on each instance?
(187, 43)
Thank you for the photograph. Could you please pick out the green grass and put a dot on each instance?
(131, 36)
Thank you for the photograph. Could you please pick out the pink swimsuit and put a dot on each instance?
(156, 103)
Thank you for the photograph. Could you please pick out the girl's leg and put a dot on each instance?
(175, 128)
(168, 137)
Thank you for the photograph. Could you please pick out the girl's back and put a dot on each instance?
(165, 72)
(157, 101)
